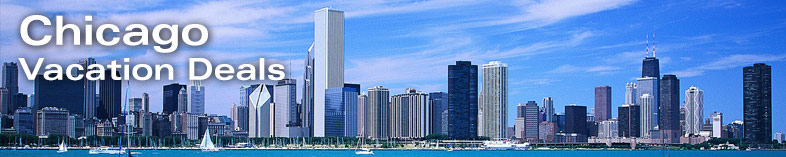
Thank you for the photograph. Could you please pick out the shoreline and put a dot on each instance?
(386, 149)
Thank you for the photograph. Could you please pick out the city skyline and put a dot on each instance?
(562, 77)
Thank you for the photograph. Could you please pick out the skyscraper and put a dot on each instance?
(171, 93)
(629, 121)
(287, 123)
(647, 122)
(362, 102)
(341, 112)
(650, 67)
(134, 105)
(630, 94)
(757, 103)
(10, 83)
(182, 101)
(576, 121)
(608, 129)
(602, 103)
(52, 121)
(495, 99)
(239, 114)
(694, 110)
(669, 111)
(548, 109)
(109, 94)
(649, 110)
(717, 123)
(89, 87)
(145, 102)
(463, 100)
(260, 116)
(531, 122)
(377, 113)
(196, 97)
(410, 115)
(328, 60)
(65, 94)
(439, 112)
(307, 103)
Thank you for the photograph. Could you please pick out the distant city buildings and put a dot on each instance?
(629, 121)
(171, 98)
(548, 109)
(328, 61)
(608, 129)
(576, 121)
(494, 99)
(410, 115)
(52, 120)
(757, 103)
(341, 111)
(196, 97)
(260, 112)
(669, 110)
(439, 112)
(377, 113)
(717, 122)
(463, 100)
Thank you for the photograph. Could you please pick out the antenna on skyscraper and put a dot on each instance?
(647, 44)
(289, 70)
(653, 44)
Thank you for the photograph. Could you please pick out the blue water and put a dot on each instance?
(536, 153)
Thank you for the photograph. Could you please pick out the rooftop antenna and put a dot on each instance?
(289, 70)
(653, 44)
(647, 43)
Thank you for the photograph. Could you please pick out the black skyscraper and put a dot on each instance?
(59, 93)
(576, 121)
(109, 95)
(650, 67)
(171, 96)
(10, 83)
(629, 121)
(669, 109)
(757, 103)
(463, 100)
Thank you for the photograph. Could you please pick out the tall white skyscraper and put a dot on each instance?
(648, 86)
(717, 124)
(286, 111)
(694, 110)
(646, 110)
(548, 109)
(328, 60)
(196, 97)
(630, 94)
(495, 99)
(260, 117)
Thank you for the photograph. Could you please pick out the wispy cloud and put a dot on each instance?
(733, 61)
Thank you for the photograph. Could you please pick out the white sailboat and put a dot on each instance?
(363, 151)
(63, 148)
(207, 144)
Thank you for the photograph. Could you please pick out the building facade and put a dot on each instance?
(495, 99)
(602, 103)
(377, 113)
(757, 103)
(196, 97)
(439, 112)
(694, 110)
(463, 100)
(669, 111)
(328, 60)
(170, 97)
(410, 115)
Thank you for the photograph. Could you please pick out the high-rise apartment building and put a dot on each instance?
(410, 115)
(196, 97)
(341, 111)
(495, 99)
(630, 94)
(548, 109)
(439, 112)
(377, 113)
(649, 110)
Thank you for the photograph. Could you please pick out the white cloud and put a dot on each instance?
(733, 61)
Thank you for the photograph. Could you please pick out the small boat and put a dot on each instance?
(504, 144)
(207, 144)
(107, 150)
(63, 148)
(364, 151)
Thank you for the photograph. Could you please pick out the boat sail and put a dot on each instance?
(63, 148)
(207, 144)
(363, 151)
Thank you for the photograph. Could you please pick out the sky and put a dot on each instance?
(553, 48)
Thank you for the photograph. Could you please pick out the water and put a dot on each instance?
(535, 153)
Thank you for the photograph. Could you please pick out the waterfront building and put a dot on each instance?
(757, 103)
(630, 94)
(608, 129)
(341, 111)
(377, 113)
(328, 61)
(463, 100)
(286, 108)
(646, 112)
(494, 99)
(648, 86)
(602, 103)
(531, 122)
(717, 124)
(409, 115)
(89, 88)
(260, 112)
(134, 105)
(110, 103)
(629, 121)
(24, 121)
(546, 131)
(307, 103)
(65, 94)
(10, 83)
(52, 121)
(182, 101)
(145, 102)
(779, 136)
(239, 115)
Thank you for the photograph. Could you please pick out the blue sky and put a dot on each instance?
(556, 48)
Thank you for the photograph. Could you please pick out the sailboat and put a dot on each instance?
(207, 144)
(63, 148)
(363, 151)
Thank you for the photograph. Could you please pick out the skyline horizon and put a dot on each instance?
(546, 65)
